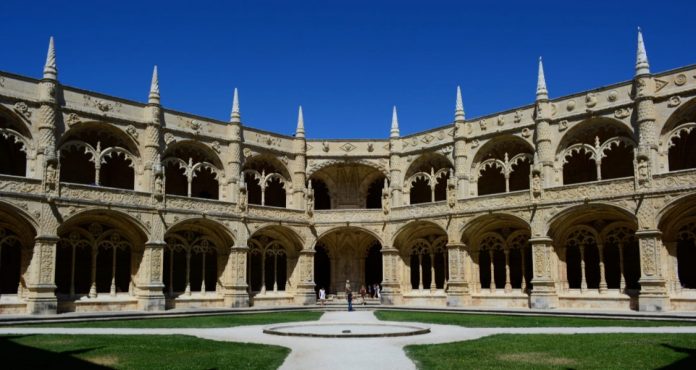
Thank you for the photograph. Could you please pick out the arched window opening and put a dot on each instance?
(253, 188)
(441, 186)
(93, 258)
(13, 160)
(10, 261)
(681, 148)
(686, 255)
(322, 198)
(374, 194)
(76, 166)
(267, 181)
(117, 172)
(420, 191)
(579, 167)
(491, 181)
(204, 184)
(423, 260)
(269, 266)
(175, 179)
(618, 161)
(426, 178)
(275, 193)
(192, 169)
(373, 265)
(190, 263)
(322, 268)
(519, 177)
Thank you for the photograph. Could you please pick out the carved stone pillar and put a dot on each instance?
(41, 297)
(458, 283)
(673, 263)
(305, 288)
(391, 292)
(149, 292)
(653, 287)
(234, 284)
(543, 293)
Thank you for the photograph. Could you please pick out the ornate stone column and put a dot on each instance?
(305, 294)
(149, 292)
(458, 283)
(299, 173)
(653, 287)
(41, 297)
(543, 293)
(460, 153)
(234, 284)
(391, 292)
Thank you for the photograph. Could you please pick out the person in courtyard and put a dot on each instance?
(363, 292)
(377, 291)
(349, 297)
(322, 296)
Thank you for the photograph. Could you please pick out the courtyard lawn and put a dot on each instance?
(134, 352)
(218, 321)
(502, 321)
(577, 351)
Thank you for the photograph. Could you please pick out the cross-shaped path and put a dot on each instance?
(347, 353)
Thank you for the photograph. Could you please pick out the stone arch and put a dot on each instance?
(425, 180)
(17, 233)
(679, 144)
(272, 266)
(352, 254)
(500, 252)
(423, 254)
(99, 252)
(685, 113)
(16, 144)
(502, 165)
(349, 184)
(677, 222)
(98, 153)
(192, 169)
(586, 258)
(319, 165)
(195, 257)
(595, 149)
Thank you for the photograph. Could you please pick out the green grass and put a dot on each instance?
(134, 352)
(502, 321)
(577, 351)
(193, 321)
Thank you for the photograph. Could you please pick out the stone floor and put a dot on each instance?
(346, 353)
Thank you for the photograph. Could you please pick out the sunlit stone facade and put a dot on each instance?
(585, 201)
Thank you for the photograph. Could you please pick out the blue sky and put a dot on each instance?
(345, 62)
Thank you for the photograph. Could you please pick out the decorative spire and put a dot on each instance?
(235, 117)
(395, 124)
(300, 124)
(642, 65)
(541, 92)
(154, 97)
(50, 71)
(459, 107)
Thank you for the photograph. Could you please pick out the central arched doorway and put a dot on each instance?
(347, 254)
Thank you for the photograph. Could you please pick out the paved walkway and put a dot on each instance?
(347, 353)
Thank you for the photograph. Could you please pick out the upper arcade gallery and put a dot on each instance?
(584, 201)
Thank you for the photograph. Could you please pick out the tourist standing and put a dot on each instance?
(363, 292)
(322, 296)
(349, 297)
(377, 291)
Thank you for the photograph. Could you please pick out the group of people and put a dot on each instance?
(373, 291)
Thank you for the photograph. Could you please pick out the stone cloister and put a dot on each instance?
(584, 201)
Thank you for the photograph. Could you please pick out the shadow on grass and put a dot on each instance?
(27, 357)
(688, 362)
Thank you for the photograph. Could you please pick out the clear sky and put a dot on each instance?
(346, 62)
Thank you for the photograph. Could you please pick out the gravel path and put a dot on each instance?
(347, 353)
